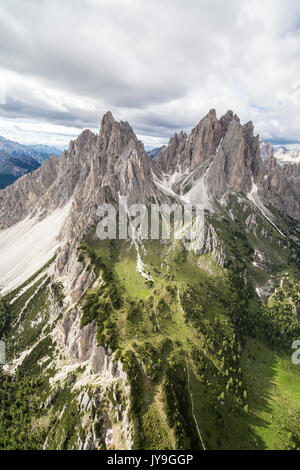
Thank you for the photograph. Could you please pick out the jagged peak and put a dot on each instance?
(84, 138)
(212, 114)
(249, 128)
(178, 137)
(107, 119)
(227, 119)
(109, 125)
(210, 119)
(85, 134)
(228, 115)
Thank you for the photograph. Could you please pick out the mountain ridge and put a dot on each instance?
(233, 166)
(12, 168)
(18, 159)
(281, 153)
(141, 343)
(37, 151)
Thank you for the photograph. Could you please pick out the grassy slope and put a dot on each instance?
(273, 383)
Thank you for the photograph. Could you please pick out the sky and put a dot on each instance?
(161, 65)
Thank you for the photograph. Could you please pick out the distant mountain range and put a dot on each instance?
(12, 168)
(282, 154)
(17, 159)
(38, 152)
(153, 152)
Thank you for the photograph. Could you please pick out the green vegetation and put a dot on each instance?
(205, 358)
(18, 404)
(273, 385)
(15, 293)
(4, 315)
(177, 403)
(31, 311)
(197, 312)
(275, 323)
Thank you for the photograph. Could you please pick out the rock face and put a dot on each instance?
(223, 155)
(266, 149)
(218, 157)
(184, 151)
(94, 170)
(280, 186)
(230, 149)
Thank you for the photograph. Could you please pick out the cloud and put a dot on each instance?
(161, 65)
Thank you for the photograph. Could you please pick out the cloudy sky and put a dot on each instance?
(159, 64)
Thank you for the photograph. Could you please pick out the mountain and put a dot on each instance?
(287, 156)
(17, 160)
(38, 152)
(153, 152)
(266, 149)
(220, 156)
(12, 168)
(142, 343)
(282, 154)
(41, 152)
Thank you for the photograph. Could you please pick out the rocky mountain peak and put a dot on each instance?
(118, 138)
(231, 146)
(224, 155)
(212, 114)
(83, 143)
(228, 116)
(107, 119)
(109, 127)
(226, 119)
(217, 156)
(204, 139)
